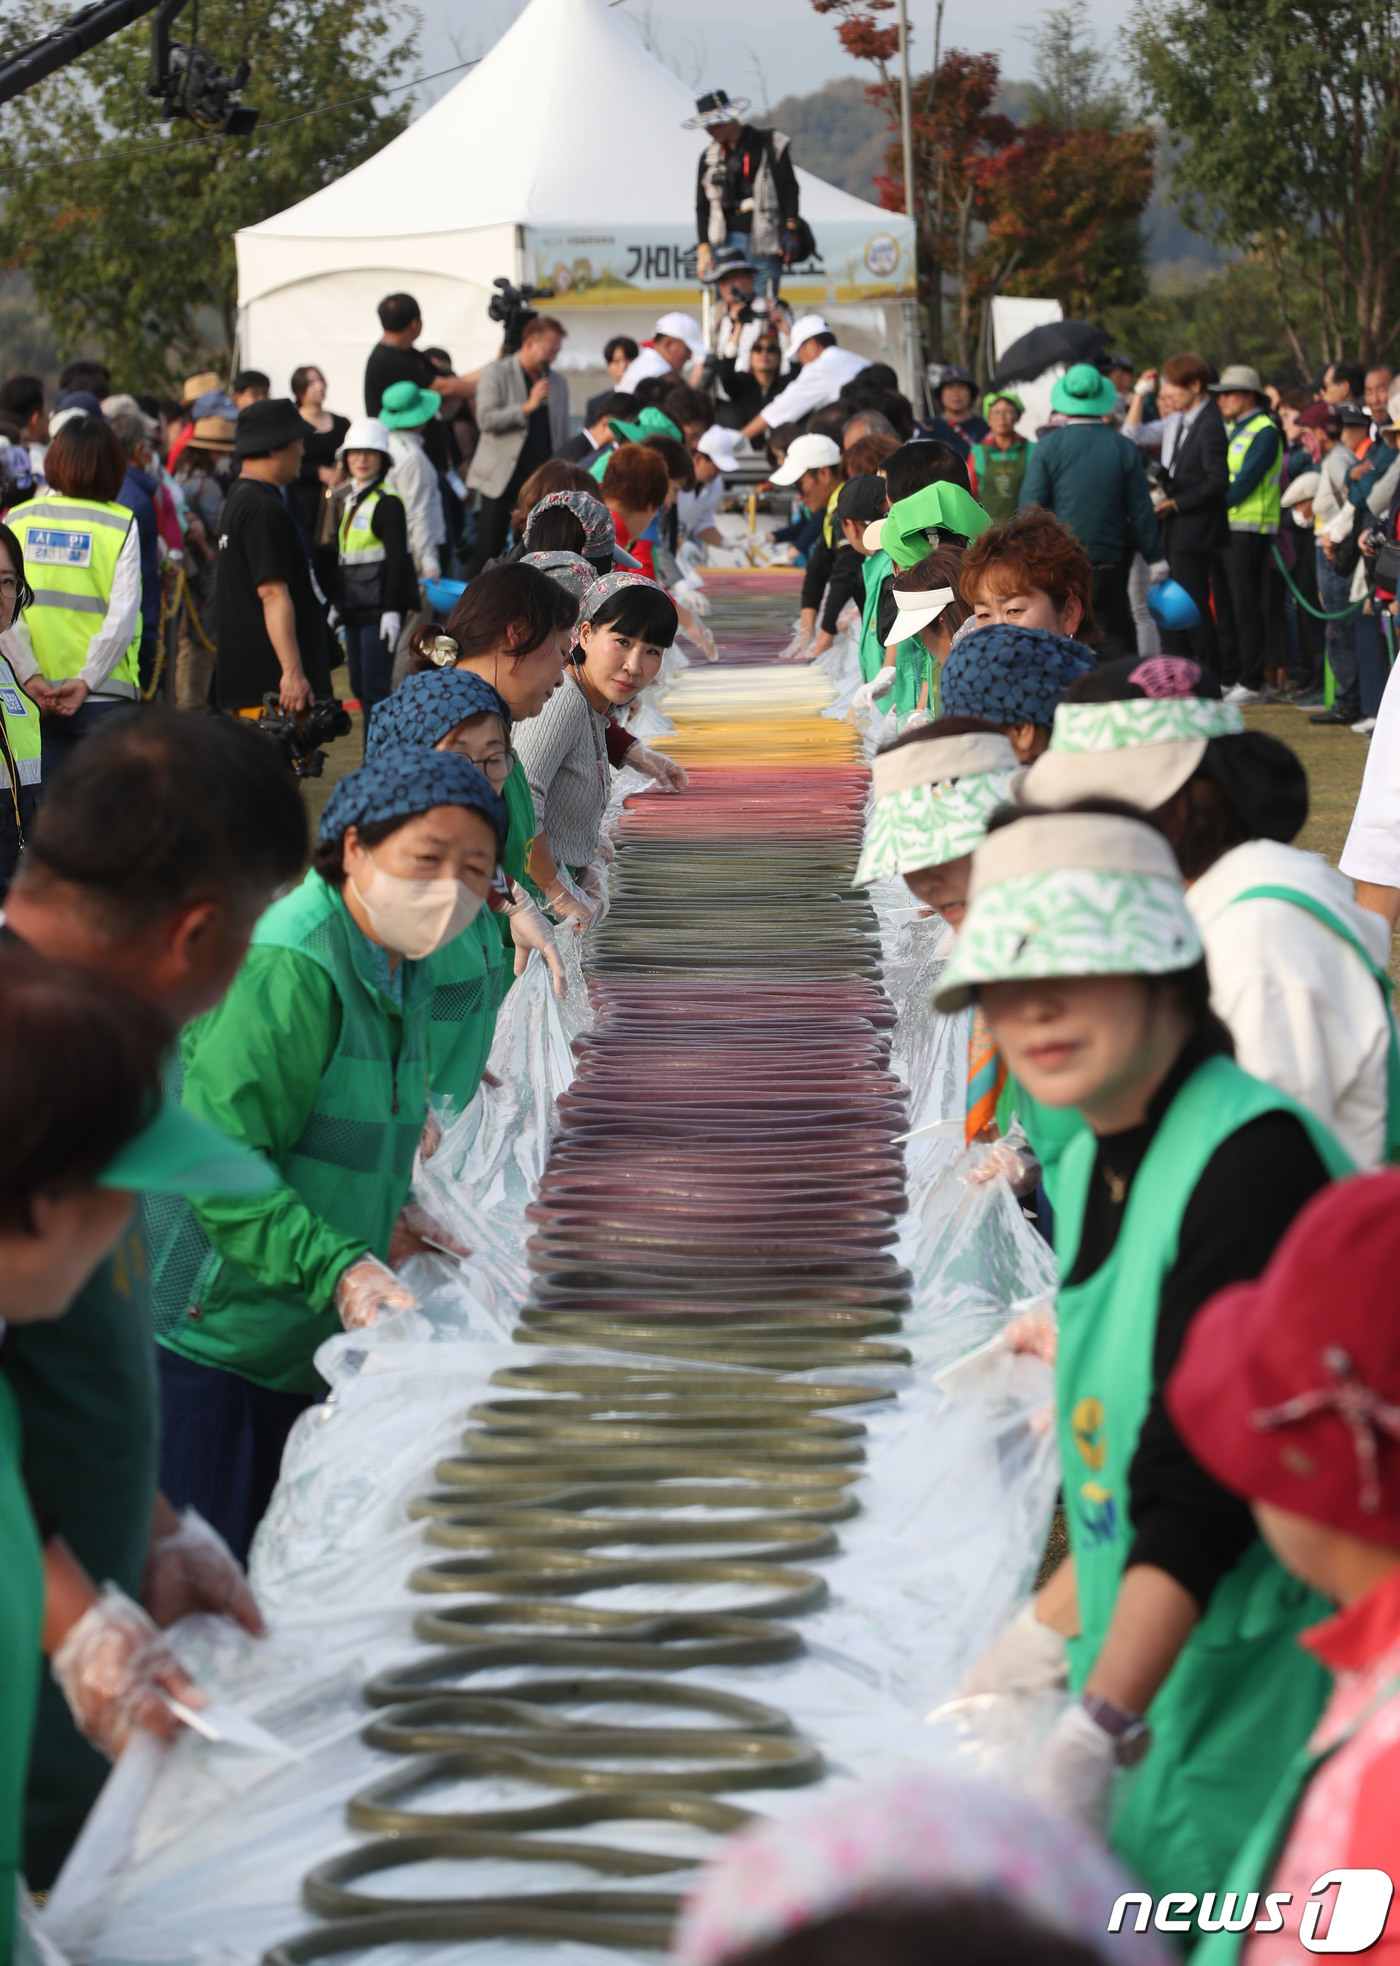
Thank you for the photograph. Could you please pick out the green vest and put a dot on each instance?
(911, 661)
(20, 716)
(71, 547)
(1263, 509)
(1049, 1130)
(1241, 1696)
(520, 806)
(999, 475)
(352, 1164)
(21, 1617)
(469, 980)
(1268, 891)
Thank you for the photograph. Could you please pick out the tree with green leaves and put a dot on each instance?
(125, 223)
(1289, 112)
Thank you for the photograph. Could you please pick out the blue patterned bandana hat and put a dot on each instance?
(1011, 675)
(595, 518)
(400, 783)
(425, 707)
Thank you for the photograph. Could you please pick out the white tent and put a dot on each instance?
(559, 159)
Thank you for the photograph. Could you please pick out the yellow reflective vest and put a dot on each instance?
(71, 547)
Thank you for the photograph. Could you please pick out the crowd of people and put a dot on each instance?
(1181, 1054)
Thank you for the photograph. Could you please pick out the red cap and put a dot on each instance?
(1321, 416)
(1288, 1390)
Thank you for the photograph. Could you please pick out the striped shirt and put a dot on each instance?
(563, 753)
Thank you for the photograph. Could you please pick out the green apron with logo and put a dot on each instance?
(1241, 1697)
(1253, 1868)
(21, 1620)
(1269, 891)
(469, 978)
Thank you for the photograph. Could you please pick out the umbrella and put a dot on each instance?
(1042, 348)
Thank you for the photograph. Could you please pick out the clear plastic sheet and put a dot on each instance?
(196, 1855)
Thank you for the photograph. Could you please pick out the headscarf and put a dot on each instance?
(603, 589)
(920, 1834)
(399, 783)
(425, 707)
(597, 521)
(569, 570)
(1011, 675)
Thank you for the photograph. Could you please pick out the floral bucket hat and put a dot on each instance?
(1070, 894)
(1141, 750)
(933, 799)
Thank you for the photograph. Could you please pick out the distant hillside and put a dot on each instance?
(838, 135)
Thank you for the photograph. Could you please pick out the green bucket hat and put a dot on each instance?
(176, 1153)
(405, 406)
(904, 532)
(1082, 391)
(1070, 894)
(1002, 396)
(1140, 750)
(650, 422)
(933, 799)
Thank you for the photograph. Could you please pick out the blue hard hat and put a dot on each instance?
(1171, 606)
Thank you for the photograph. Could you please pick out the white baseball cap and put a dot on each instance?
(808, 453)
(804, 328)
(366, 433)
(682, 327)
(717, 444)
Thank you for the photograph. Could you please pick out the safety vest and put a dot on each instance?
(19, 717)
(362, 551)
(1241, 1697)
(1263, 509)
(351, 1164)
(71, 547)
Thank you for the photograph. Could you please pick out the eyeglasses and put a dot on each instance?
(496, 765)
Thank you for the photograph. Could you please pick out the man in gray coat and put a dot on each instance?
(522, 411)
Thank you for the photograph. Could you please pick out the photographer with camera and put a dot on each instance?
(273, 637)
(746, 192)
(740, 319)
(522, 410)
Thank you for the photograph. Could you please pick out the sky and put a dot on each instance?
(771, 49)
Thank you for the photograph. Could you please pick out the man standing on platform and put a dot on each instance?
(746, 192)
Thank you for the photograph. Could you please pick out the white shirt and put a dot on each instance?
(1166, 432)
(1372, 851)
(698, 509)
(814, 386)
(648, 363)
(1306, 1014)
(112, 639)
(412, 476)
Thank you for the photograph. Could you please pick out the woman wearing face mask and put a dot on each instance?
(627, 623)
(452, 710)
(319, 1057)
(1170, 1619)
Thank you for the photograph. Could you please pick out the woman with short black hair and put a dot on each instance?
(84, 558)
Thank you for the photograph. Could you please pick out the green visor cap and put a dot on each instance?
(179, 1154)
(947, 507)
(1141, 750)
(1070, 894)
(932, 802)
(652, 422)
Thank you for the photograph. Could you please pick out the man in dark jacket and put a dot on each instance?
(1091, 477)
(745, 191)
(136, 435)
(1195, 481)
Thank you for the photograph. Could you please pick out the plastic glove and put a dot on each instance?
(800, 647)
(669, 776)
(849, 615)
(593, 882)
(1073, 1772)
(368, 1291)
(389, 626)
(1024, 1657)
(696, 599)
(416, 1233)
(695, 631)
(529, 930)
(1035, 1332)
(570, 903)
(607, 852)
(1022, 1171)
(111, 1669)
(193, 1569)
(1159, 570)
(881, 685)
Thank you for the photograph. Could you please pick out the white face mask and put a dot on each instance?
(416, 917)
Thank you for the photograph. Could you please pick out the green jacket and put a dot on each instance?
(469, 980)
(1092, 478)
(319, 1062)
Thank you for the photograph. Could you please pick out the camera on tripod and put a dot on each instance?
(301, 735)
(510, 305)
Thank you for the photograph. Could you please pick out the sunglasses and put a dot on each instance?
(766, 348)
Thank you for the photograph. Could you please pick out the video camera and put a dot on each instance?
(510, 305)
(300, 736)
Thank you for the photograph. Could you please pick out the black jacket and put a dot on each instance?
(1198, 480)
